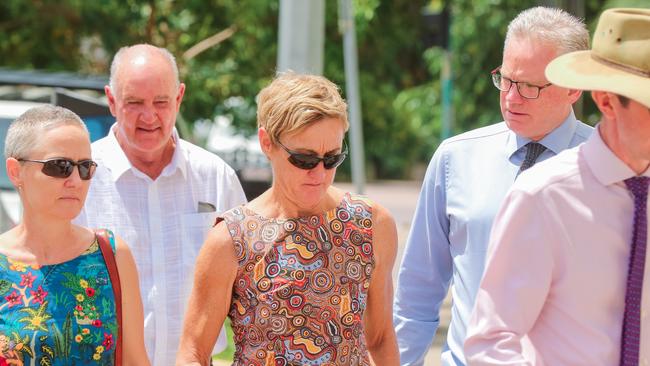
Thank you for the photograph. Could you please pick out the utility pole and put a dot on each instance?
(301, 36)
(437, 22)
(300, 49)
(346, 26)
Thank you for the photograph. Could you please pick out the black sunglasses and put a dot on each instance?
(309, 161)
(63, 168)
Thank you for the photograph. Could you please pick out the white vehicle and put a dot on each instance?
(10, 208)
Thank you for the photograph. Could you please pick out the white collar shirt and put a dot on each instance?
(164, 222)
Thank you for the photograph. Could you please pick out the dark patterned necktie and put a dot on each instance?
(631, 335)
(533, 151)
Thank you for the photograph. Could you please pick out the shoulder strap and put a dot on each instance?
(111, 265)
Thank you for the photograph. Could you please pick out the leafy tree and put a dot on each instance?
(399, 76)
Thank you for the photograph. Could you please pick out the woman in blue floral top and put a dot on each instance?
(57, 305)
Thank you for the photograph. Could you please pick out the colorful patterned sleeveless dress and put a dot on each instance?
(302, 286)
(61, 314)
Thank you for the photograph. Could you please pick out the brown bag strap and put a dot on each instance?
(111, 265)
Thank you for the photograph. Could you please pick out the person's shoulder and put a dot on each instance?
(102, 147)
(189, 148)
(380, 213)
(481, 143)
(198, 157)
(474, 141)
(382, 222)
(551, 174)
(236, 213)
(583, 130)
(486, 133)
(220, 235)
(382, 216)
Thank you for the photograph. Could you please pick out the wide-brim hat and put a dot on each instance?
(619, 59)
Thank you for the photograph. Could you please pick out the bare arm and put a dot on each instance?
(216, 269)
(378, 318)
(133, 349)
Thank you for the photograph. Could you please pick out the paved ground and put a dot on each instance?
(400, 198)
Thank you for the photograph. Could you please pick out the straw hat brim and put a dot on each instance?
(578, 70)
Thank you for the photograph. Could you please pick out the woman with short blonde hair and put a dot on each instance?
(304, 270)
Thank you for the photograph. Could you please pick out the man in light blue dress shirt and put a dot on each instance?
(469, 176)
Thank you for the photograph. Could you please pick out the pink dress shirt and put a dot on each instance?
(553, 290)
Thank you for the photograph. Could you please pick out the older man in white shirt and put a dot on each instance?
(157, 191)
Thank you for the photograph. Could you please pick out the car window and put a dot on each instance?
(98, 127)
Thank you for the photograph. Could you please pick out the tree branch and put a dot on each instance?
(209, 42)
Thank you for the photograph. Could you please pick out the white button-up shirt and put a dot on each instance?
(164, 222)
(553, 291)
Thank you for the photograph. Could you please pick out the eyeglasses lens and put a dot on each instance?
(58, 168)
(63, 168)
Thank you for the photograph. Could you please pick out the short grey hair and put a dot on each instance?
(555, 26)
(117, 61)
(25, 131)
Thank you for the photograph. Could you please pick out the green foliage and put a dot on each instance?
(45, 360)
(46, 350)
(478, 30)
(399, 77)
(390, 63)
(62, 342)
(227, 354)
(107, 309)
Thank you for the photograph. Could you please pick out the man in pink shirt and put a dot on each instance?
(567, 281)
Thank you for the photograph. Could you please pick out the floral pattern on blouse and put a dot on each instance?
(62, 314)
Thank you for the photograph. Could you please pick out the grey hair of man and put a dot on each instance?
(26, 130)
(143, 47)
(555, 26)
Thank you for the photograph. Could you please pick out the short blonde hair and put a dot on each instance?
(293, 101)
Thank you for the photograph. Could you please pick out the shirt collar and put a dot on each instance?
(603, 163)
(179, 160)
(556, 141)
(120, 164)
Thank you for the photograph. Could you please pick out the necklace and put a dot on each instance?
(52, 268)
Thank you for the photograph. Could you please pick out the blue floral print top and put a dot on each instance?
(62, 314)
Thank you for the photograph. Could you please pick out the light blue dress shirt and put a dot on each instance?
(465, 183)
